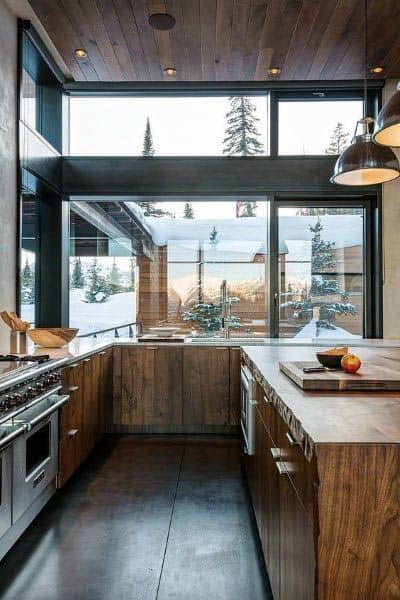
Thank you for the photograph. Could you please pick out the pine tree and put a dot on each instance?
(323, 285)
(114, 279)
(132, 282)
(98, 289)
(27, 284)
(241, 133)
(148, 146)
(188, 211)
(319, 211)
(338, 140)
(77, 277)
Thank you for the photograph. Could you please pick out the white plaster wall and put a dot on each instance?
(391, 247)
(8, 200)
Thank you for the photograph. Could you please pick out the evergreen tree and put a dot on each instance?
(98, 289)
(27, 284)
(131, 284)
(77, 277)
(323, 286)
(241, 133)
(188, 211)
(114, 279)
(318, 212)
(338, 140)
(148, 146)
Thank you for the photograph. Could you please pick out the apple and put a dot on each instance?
(350, 363)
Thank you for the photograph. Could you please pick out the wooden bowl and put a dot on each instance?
(52, 337)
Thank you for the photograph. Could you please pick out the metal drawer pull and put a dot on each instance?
(291, 440)
(102, 353)
(46, 413)
(151, 348)
(267, 400)
(74, 365)
(73, 388)
(86, 360)
(281, 468)
(72, 432)
(222, 348)
(12, 436)
(276, 452)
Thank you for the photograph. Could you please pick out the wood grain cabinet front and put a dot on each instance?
(70, 433)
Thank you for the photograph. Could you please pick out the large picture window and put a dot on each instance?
(168, 126)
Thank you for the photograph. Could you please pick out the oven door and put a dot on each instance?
(35, 461)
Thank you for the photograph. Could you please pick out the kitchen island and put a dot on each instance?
(324, 481)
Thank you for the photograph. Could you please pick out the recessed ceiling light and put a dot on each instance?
(274, 71)
(377, 70)
(80, 53)
(162, 21)
(170, 71)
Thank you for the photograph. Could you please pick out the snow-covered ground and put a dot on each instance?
(118, 309)
(309, 331)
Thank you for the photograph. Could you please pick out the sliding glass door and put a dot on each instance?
(320, 287)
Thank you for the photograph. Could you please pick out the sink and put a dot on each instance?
(216, 340)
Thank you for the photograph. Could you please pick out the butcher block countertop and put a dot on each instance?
(328, 417)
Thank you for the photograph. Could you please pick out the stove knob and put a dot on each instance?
(5, 403)
(30, 392)
(16, 400)
(39, 388)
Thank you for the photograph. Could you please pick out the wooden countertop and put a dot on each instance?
(329, 417)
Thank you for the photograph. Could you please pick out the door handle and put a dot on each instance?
(281, 468)
(72, 432)
(276, 452)
(291, 440)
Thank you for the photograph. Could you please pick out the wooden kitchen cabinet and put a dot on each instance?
(70, 433)
(151, 387)
(91, 403)
(206, 393)
(106, 389)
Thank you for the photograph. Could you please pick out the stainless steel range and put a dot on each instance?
(30, 397)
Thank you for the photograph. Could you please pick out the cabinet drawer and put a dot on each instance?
(300, 471)
(267, 411)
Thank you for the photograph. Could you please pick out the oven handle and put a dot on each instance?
(12, 436)
(47, 412)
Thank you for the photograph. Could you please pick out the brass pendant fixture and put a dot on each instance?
(387, 128)
(364, 162)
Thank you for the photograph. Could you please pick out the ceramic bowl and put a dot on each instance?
(330, 361)
(52, 337)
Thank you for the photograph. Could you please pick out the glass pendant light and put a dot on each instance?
(364, 162)
(387, 128)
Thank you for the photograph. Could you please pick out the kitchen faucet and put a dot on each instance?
(226, 309)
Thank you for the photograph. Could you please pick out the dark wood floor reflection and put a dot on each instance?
(144, 519)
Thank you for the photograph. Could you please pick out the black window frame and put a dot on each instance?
(373, 276)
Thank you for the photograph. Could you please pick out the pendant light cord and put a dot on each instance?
(365, 60)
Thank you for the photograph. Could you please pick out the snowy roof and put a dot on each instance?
(249, 234)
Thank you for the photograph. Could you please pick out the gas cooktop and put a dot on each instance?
(38, 358)
(11, 364)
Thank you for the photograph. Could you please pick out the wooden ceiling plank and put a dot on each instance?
(147, 39)
(351, 38)
(325, 12)
(208, 36)
(116, 37)
(96, 23)
(255, 28)
(50, 14)
(224, 17)
(337, 24)
(191, 24)
(74, 12)
(301, 35)
(178, 40)
(132, 39)
(263, 63)
(241, 17)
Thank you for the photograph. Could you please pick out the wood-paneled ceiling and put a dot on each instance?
(223, 40)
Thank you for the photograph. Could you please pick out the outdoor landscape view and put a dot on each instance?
(169, 264)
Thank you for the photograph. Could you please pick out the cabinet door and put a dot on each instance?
(297, 561)
(206, 386)
(151, 384)
(91, 388)
(70, 445)
(106, 390)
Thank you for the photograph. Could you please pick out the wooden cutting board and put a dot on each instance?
(370, 377)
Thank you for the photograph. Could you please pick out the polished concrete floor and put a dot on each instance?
(144, 519)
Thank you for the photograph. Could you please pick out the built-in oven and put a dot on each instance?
(247, 410)
(35, 461)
